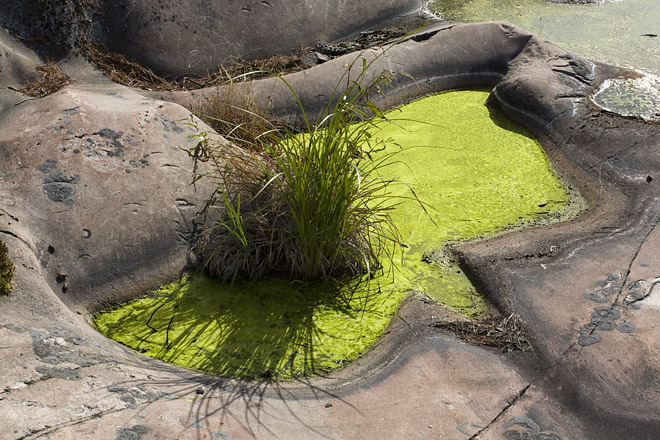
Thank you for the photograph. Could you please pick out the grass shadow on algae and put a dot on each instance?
(267, 330)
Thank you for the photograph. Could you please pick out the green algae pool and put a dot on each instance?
(478, 171)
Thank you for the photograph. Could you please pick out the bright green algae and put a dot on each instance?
(478, 171)
(255, 329)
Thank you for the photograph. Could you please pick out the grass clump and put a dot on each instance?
(303, 206)
(6, 271)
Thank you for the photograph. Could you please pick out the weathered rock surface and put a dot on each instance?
(196, 37)
(83, 231)
(95, 182)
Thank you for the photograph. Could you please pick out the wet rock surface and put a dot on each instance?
(95, 203)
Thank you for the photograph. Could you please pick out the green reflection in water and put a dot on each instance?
(617, 33)
(480, 173)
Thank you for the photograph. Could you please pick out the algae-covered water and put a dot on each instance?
(621, 32)
(625, 33)
(478, 173)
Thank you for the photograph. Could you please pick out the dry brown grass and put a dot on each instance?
(230, 113)
(52, 80)
(124, 71)
(506, 333)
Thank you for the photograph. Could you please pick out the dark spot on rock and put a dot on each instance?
(52, 360)
(134, 433)
(606, 313)
(625, 327)
(423, 36)
(60, 278)
(60, 192)
(595, 297)
(219, 435)
(51, 249)
(54, 348)
(649, 179)
(109, 134)
(127, 399)
(47, 166)
(546, 436)
(59, 373)
(76, 340)
(513, 435)
(70, 111)
(588, 335)
(61, 178)
(605, 324)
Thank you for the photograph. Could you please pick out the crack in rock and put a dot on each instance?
(641, 290)
(520, 394)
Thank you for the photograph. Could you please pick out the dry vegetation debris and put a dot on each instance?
(506, 333)
(52, 80)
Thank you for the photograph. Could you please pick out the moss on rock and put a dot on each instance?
(6, 271)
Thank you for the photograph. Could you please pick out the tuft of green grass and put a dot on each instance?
(6, 271)
(304, 206)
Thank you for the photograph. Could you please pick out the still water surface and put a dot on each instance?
(624, 33)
